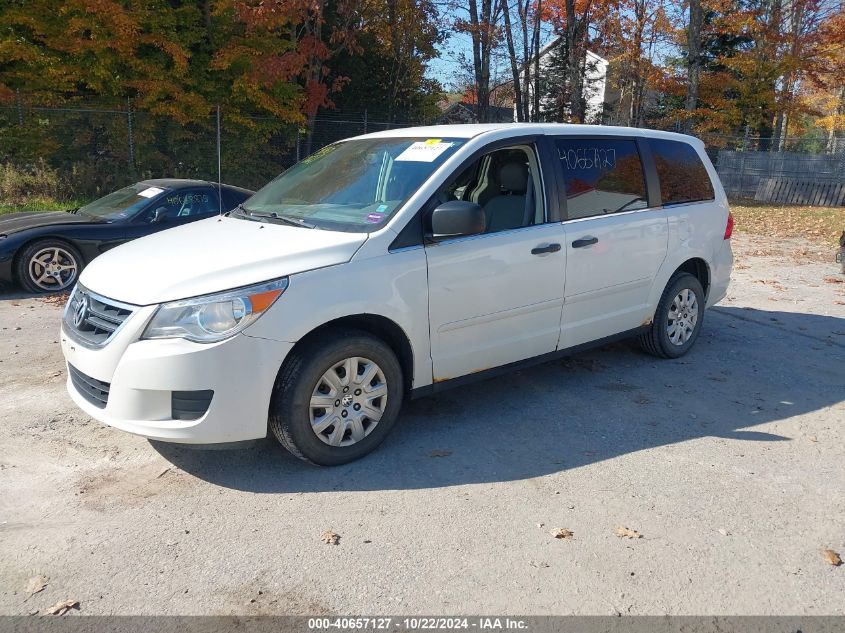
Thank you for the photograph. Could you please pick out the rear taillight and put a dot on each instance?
(729, 227)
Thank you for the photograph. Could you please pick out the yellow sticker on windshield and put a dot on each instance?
(433, 141)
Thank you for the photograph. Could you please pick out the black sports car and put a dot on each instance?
(45, 252)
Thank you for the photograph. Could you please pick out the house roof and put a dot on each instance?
(554, 41)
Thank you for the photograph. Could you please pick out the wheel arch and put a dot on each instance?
(693, 263)
(379, 326)
(698, 268)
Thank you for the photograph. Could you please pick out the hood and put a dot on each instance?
(14, 222)
(213, 255)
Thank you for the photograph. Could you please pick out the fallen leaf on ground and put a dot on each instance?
(60, 608)
(624, 532)
(330, 538)
(36, 584)
(562, 533)
(440, 453)
(59, 299)
(831, 557)
(834, 280)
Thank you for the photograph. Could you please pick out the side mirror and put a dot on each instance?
(160, 215)
(456, 218)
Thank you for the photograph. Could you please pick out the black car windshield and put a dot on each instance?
(352, 185)
(123, 203)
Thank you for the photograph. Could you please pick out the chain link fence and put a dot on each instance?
(82, 152)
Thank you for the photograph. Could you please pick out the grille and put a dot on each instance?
(91, 319)
(190, 405)
(94, 391)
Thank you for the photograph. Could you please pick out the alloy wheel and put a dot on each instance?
(53, 268)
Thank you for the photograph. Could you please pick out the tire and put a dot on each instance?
(661, 339)
(48, 266)
(320, 435)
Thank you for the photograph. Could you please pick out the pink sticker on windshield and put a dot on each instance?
(375, 218)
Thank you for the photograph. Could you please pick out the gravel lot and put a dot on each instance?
(728, 462)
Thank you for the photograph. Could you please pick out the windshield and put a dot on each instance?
(123, 203)
(353, 185)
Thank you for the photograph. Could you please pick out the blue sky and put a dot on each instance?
(446, 69)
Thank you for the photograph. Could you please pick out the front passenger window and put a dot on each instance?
(601, 176)
(505, 183)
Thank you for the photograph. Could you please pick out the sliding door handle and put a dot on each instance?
(549, 248)
(585, 241)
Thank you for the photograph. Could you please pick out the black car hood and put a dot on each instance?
(14, 222)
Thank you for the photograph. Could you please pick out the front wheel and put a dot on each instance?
(48, 266)
(336, 398)
(677, 320)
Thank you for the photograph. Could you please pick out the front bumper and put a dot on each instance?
(141, 380)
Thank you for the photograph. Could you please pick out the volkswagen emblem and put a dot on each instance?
(81, 311)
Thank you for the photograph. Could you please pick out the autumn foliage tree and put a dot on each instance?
(272, 66)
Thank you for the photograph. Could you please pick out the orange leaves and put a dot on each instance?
(286, 43)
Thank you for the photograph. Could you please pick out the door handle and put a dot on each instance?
(585, 241)
(550, 248)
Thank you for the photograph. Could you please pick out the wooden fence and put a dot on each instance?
(801, 191)
(742, 172)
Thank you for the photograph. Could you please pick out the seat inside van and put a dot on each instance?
(503, 184)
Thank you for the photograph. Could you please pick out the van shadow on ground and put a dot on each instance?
(748, 368)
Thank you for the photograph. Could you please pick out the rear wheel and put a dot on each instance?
(677, 320)
(336, 399)
(48, 266)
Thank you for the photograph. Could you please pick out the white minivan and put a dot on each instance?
(394, 265)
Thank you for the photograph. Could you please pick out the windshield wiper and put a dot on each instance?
(260, 217)
(284, 218)
(240, 209)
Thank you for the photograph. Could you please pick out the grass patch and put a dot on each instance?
(40, 204)
(822, 225)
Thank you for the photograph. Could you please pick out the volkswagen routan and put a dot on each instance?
(393, 265)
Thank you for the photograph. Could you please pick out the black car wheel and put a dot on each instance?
(337, 397)
(677, 320)
(48, 266)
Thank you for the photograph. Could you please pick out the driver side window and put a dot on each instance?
(601, 176)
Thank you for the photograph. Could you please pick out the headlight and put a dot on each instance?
(214, 317)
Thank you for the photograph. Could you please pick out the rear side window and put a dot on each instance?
(683, 177)
(601, 176)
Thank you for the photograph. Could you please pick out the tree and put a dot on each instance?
(573, 20)
(696, 19)
(482, 25)
(523, 25)
(387, 78)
